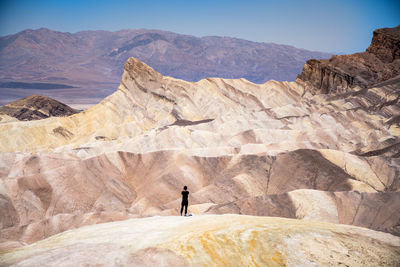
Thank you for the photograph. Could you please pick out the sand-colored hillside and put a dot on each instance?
(150, 112)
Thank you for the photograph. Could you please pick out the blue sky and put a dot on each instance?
(331, 26)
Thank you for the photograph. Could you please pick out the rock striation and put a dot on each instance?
(36, 107)
(146, 112)
(346, 73)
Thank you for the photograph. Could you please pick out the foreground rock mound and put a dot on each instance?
(229, 240)
(36, 107)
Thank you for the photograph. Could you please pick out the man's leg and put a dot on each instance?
(181, 208)
(186, 206)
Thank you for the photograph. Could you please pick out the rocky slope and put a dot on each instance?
(152, 112)
(274, 149)
(346, 73)
(386, 44)
(36, 107)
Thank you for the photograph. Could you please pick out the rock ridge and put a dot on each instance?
(385, 44)
(346, 73)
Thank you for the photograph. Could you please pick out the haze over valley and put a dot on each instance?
(92, 61)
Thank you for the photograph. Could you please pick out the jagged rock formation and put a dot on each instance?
(274, 149)
(232, 240)
(36, 107)
(385, 44)
(341, 74)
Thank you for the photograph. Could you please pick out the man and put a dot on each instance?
(185, 201)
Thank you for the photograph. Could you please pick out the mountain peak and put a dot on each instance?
(140, 76)
(385, 44)
(139, 69)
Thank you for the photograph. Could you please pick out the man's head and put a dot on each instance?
(185, 187)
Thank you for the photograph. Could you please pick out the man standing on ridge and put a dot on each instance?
(185, 201)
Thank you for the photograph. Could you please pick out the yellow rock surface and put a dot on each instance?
(211, 240)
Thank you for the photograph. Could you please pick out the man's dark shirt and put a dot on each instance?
(185, 195)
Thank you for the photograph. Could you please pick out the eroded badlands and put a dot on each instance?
(279, 149)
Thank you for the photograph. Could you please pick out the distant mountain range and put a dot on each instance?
(90, 57)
